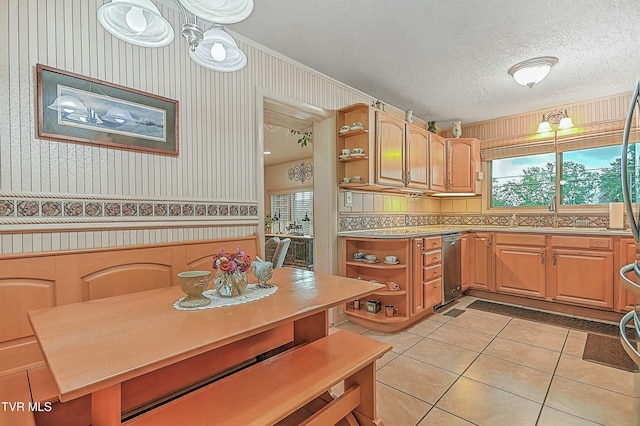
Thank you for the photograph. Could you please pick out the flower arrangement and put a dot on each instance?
(231, 278)
(232, 262)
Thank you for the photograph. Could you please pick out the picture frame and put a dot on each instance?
(74, 108)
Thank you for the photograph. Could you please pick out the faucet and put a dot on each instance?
(552, 208)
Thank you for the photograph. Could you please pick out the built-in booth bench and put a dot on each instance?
(268, 392)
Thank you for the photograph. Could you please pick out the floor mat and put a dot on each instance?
(546, 318)
(454, 312)
(608, 351)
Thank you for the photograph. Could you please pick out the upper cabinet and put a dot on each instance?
(390, 150)
(378, 151)
(401, 153)
(356, 145)
(417, 152)
(453, 164)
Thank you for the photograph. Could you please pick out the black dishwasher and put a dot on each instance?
(451, 267)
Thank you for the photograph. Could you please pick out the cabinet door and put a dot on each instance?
(417, 154)
(520, 270)
(389, 150)
(481, 246)
(461, 165)
(464, 254)
(583, 277)
(432, 293)
(437, 163)
(625, 300)
(417, 290)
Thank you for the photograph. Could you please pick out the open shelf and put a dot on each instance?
(380, 316)
(352, 159)
(379, 265)
(353, 133)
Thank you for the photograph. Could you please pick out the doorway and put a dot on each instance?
(277, 114)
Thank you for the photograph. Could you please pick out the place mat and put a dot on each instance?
(608, 351)
(252, 293)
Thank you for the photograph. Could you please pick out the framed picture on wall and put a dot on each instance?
(74, 108)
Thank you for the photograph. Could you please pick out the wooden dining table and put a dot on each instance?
(93, 347)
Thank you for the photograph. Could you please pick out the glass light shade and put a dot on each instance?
(220, 11)
(532, 71)
(68, 104)
(234, 59)
(137, 22)
(565, 123)
(544, 127)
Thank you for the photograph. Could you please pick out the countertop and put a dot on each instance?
(419, 231)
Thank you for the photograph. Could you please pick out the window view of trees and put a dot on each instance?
(588, 176)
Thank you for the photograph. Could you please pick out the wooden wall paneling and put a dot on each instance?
(24, 285)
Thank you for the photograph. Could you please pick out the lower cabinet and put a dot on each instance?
(520, 264)
(624, 299)
(481, 260)
(414, 281)
(582, 270)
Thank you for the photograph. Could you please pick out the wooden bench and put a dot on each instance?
(269, 391)
(15, 399)
(33, 281)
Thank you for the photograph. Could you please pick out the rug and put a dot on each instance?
(603, 342)
(607, 351)
(454, 312)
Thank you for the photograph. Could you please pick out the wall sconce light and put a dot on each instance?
(532, 71)
(555, 121)
(139, 22)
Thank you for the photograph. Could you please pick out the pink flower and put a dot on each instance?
(227, 266)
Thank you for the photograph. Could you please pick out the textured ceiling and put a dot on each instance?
(448, 60)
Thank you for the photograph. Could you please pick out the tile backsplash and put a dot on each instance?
(375, 211)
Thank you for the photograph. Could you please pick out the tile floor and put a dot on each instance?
(488, 369)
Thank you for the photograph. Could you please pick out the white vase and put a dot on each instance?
(456, 131)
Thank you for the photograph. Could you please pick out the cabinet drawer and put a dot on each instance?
(582, 242)
(520, 239)
(432, 243)
(431, 258)
(431, 272)
(432, 294)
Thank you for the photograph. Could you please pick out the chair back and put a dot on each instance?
(281, 252)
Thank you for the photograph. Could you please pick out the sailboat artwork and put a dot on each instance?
(630, 344)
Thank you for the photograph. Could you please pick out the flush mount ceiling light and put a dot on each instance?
(139, 22)
(218, 51)
(555, 121)
(532, 71)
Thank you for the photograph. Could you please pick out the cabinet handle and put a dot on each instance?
(489, 241)
(435, 257)
(555, 257)
(542, 258)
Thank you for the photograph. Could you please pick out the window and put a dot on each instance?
(295, 208)
(588, 176)
(592, 176)
(523, 181)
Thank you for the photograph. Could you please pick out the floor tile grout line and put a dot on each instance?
(553, 376)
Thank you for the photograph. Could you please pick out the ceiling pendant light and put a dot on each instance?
(220, 11)
(532, 71)
(137, 22)
(218, 51)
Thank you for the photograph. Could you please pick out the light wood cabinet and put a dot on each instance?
(437, 163)
(625, 300)
(417, 152)
(453, 164)
(433, 292)
(401, 153)
(381, 272)
(390, 150)
(482, 261)
(520, 264)
(361, 165)
(582, 270)
(465, 263)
